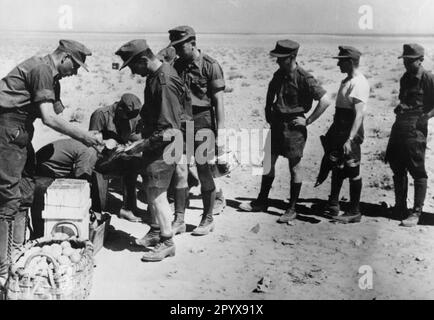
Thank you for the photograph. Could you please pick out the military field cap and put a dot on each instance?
(130, 50)
(76, 50)
(412, 50)
(167, 54)
(181, 34)
(347, 52)
(130, 105)
(285, 48)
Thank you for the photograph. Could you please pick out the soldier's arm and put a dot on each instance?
(217, 101)
(216, 85)
(96, 121)
(52, 120)
(360, 109)
(317, 92)
(322, 105)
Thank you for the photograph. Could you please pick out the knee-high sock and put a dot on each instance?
(295, 193)
(266, 183)
(181, 196)
(208, 199)
(355, 192)
(336, 183)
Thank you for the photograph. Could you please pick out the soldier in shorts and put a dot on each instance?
(346, 134)
(289, 97)
(162, 114)
(204, 77)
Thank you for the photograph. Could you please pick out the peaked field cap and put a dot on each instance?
(77, 50)
(285, 48)
(412, 50)
(130, 102)
(130, 50)
(348, 52)
(180, 34)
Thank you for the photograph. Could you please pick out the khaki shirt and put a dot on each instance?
(163, 108)
(32, 82)
(104, 120)
(290, 94)
(203, 76)
(417, 91)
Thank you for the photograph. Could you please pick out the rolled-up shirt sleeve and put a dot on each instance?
(315, 89)
(97, 121)
(41, 84)
(216, 78)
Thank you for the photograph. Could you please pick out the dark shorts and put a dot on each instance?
(407, 146)
(287, 140)
(204, 121)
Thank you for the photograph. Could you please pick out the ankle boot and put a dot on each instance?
(207, 223)
(163, 249)
(290, 213)
(260, 203)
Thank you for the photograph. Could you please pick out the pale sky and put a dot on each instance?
(221, 16)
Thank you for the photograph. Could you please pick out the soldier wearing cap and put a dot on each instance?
(407, 143)
(346, 134)
(204, 77)
(162, 113)
(31, 90)
(121, 121)
(290, 95)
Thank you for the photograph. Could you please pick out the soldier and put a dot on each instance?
(31, 90)
(63, 158)
(346, 134)
(204, 78)
(289, 97)
(121, 121)
(162, 114)
(407, 142)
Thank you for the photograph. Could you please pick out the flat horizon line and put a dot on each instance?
(237, 33)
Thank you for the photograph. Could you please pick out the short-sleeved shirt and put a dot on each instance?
(352, 88)
(66, 158)
(417, 91)
(290, 94)
(203, 76)
(163, 107)
(104, 120)
(32, 82)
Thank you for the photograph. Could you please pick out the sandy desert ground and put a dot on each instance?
(312, 259)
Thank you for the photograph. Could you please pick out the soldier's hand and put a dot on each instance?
(92, 139)
(347, 147)
(299, 121)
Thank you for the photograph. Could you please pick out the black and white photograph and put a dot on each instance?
(249, 150)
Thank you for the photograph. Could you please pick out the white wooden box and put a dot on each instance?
(67, 200)
(78, 216)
